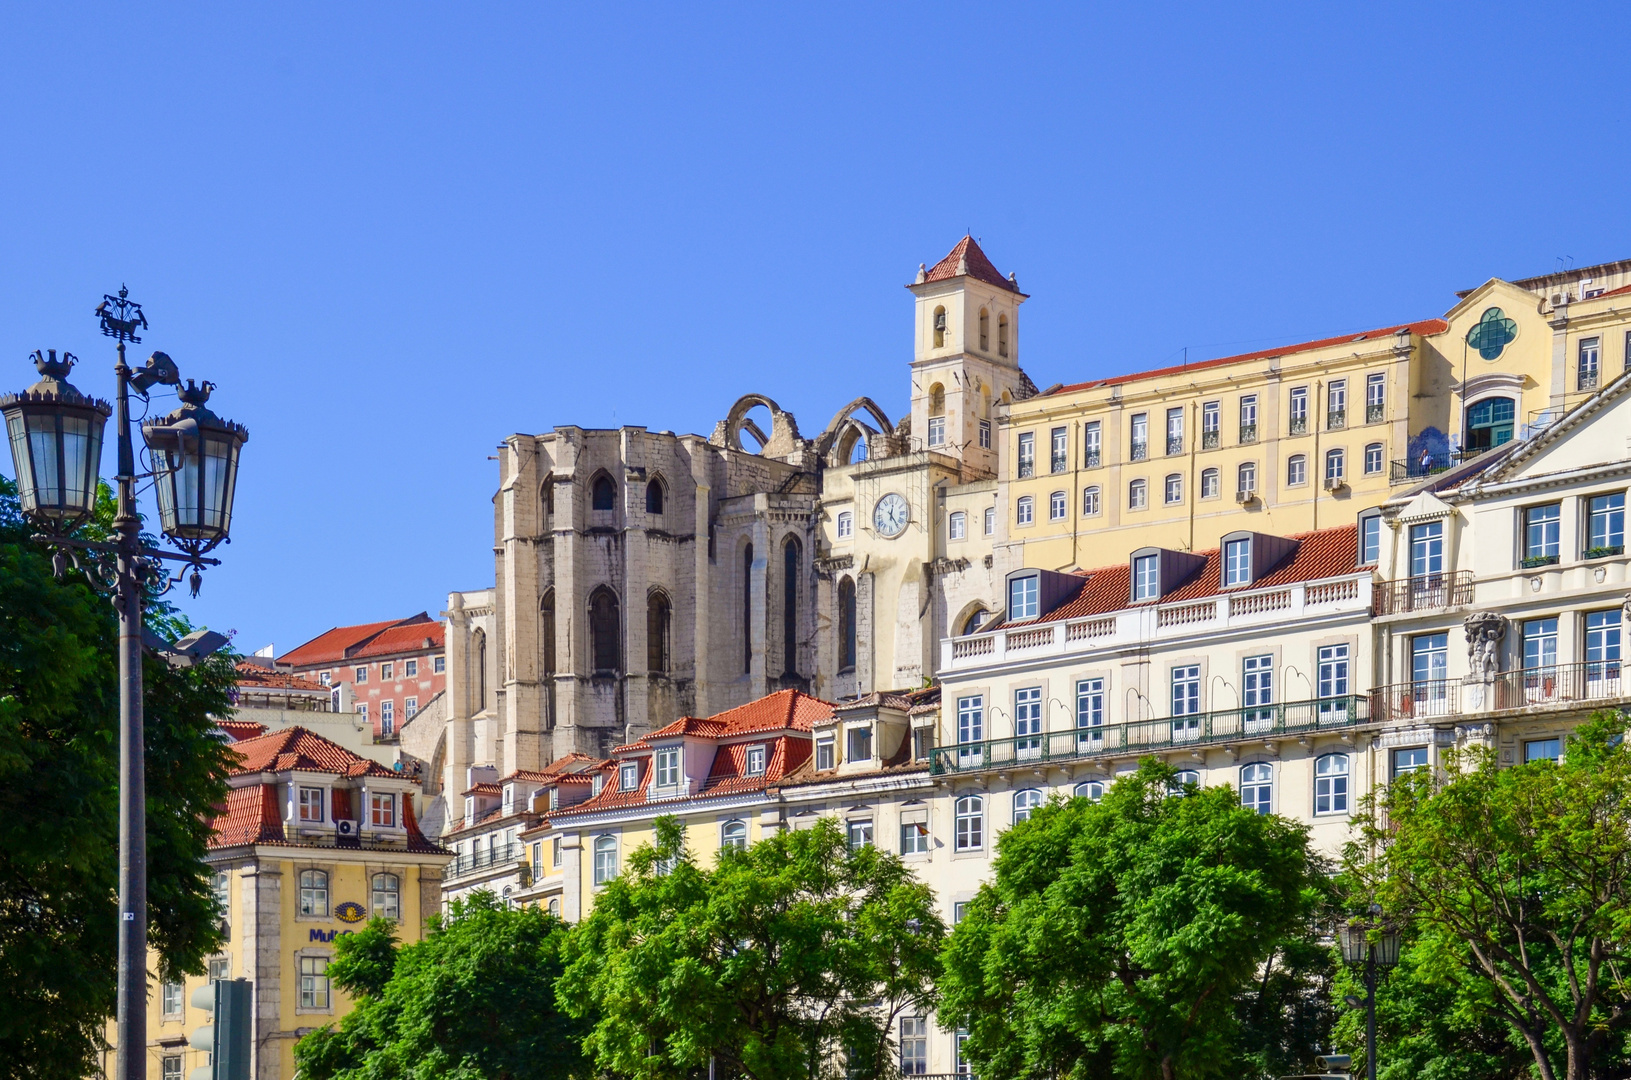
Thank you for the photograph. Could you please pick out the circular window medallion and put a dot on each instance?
(350, 911)
(1493, 334)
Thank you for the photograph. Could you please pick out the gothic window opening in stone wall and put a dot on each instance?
(603, 493)
(747, 610)
(478, 654)
(546, 632)
(659, 617)
(846, 624)
(790, 605)
(654, 496)
(546, 498)
(985, 330)
(605, 632)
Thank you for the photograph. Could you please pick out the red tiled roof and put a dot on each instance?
(1325, 554)
(250, 816)
(784, 710)
(979, 267)
(344, 642)
(255, 677)
(487, 788)
(555, 770)
(298, 748)
(239, 730)
(1621, 291)
(1426, 327)
(401, 640)
(730, 764)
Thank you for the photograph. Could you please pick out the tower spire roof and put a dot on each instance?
(967, 259)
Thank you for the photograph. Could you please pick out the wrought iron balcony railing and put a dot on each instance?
(1586, 684)
(1175, 446)
(1336, 419)
(1059, 463)
(1426, 592)
(1375, 413)
(1299, 425)
(1248, 434)
(1141, 450)
(1209, 439)
(1091, 459)
(1027, 467)
(1150, 736)
(500, 855)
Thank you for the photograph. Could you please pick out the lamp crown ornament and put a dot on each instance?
(195, 396)
(47, 364)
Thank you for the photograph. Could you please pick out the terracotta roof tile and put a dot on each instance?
(979, 267)
(298, 748)
(783, 710)
(400, 640)
(239, 730)
(250, 816)
(344, 642)
(255, 677)
(1426, 327)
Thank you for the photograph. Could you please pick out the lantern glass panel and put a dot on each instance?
(196, 476)
(1353, 944)
(57, 453)
(1387, 949)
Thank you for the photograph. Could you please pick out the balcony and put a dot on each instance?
(1375, 413)
(1141, 450)
(1153, 736)
(1091, 460)
(1428, 592)
(1405, 472)
(1209, 439)
(1591, 684)
(1059, 463)
(500, 856)
(1336, 419)
(1027, 467)
(1588, 380)
(1299, 425)
(1248, 434)
(1175, 446)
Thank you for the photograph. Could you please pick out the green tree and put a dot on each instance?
(1126, 937)
(475, 1000)
(1518, 884)
(59, 838)
(770, 963)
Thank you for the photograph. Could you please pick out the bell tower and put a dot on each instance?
(965, 356)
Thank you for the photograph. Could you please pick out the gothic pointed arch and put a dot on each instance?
(602, 491)
(605, 632)
(659, 630)
(825, 441)
(656, 494)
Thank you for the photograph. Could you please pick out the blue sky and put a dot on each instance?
(395, 234)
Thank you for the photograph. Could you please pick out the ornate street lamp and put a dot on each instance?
(1376, 946)
(55, 434)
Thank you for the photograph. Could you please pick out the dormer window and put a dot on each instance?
(382, 810)
(756, 761)
(1237, 562)
(860, 744)
(628, 776)
(554, 798)
(824, 752)
(1147, 577)
(311, 804)
(668, 767)
(509, 799)
(1023, 595)
(469, 810)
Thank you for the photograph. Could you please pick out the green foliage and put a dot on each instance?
(1142, 936)
(59, 850)
(769, 963)
(475, 1000)
(1517, 882)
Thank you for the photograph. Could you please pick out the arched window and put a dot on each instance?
(733, 834)
(1174, 491)
(1002, 335)
(747, 610)
(1296, 470)
(478, 658)
(845, 525)
(846, 624)
(1489, 423)
(603, 493)
(975, 620)
(1092, 790)
(1336, 467)
(1025, 802)
(555, 906)
(1025, 510)
(546, 497)
(605, 859)
(1182, 780)
(1138, 495)
(658, 617)
(314, 893)
(1373, 458)
(985, 330)
(790, 606)
(546, 632)
(1246, 477)
(1331, 784)
(1257, 787)
(940, 328)
(1210, 483)
(969, 823)
(605, 632)
(1090, 501)
(654, 496)
(387, 896)
(1057, 506)
(508, 892)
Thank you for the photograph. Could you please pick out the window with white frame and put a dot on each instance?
(311, 804)
(1248, 418)
(509, 799)
(1211, 483)
(1023, 597)
(914, 835)
(439, 665)
(221, 888)
(914, 1045)
(1370, 539)
(170, 995)
(1090, 501)
(734, 834)
(846, 525)
(1542, 750)
(628, 776)
(1375, 398)
(1409, 759)
(605, 867)
(555, 851)
(1246, 477)
(1602, 649)
(1336, 404)
(362, 711)
(1026, 802)
(382, 809)
(1373, 459)
(990, 521)
(824, 752)
(1025, 510)
(970, 727)
(1211, 421)
(959, 1055)
(957, 525)
(410, 708)
(1336, 467)
(1186, 701)
(1257, 787)
(410, 669)
(1257, 691)
(756, 760)
(1056, 506)
(314, 893)
(1296, 470)
(1182, 781)
(387, 717)
(1090, 697)
(1058, 444)
(1028, 722)
(968, 818)
(985, 434)
(1027, 454)
(1605, 525)
(858, 743)
(1147, 577)
(326, 678)
(387, 890)
(387, 672)
(859, 833)
(1175, 431)
(314, 992)
(1332, 667)
(1138, 494)
(1091, 790)
(1140, 444)
(1299, 410)
(937, 431)
(1331, 784)
(1174, 489)
(668, 766)
(1237, 562)
(360, 675)
(1092, 446)
(170, 1067)
(1591, 350)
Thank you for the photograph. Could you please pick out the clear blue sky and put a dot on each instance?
(394, 234)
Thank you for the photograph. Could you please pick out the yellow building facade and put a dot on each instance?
(1300, 438)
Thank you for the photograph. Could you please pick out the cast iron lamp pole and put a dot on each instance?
(1358, 948)
(55, 434)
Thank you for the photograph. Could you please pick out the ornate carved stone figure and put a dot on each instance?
(1485, 631)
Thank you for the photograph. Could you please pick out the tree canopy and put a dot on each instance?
(1517, 885)
(474, 1000)
(791, 958)
(1135, 937)
(59, 840)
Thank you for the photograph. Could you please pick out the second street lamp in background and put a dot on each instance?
(1375, 946)
(55, 434)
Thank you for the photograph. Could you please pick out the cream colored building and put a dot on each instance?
(313, 841)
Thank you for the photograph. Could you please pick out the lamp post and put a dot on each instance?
(1358, 947)
(55, 434)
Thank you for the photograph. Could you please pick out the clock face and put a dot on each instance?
(891, 515)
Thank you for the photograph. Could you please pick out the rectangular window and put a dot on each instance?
(824, 753)
(1025, 510)
(387, 672)
(914, 1046)
(1092, 448)
(1591, 350)
(1059, 459)
(1089, 714)
(1336, 405)
(1022, 598)
(1603, 652)
(362, 711)
(860, 834)
(1336, 468)
(1539, 644)
(1237, 562)
(959, 909)
(958, 525)
(1211, 420)
(668, 767)
(937, 431)
(990, 520)
(1409, 759)
(860, 744)
(1186, 701)
(439, 665)
(1175, 431)
(314, 982)
(326, 678)
(170, 1067)
(1370, 539)
(628, 776)
(221, 889)
(1605, 525)
(1331, 784)
(914, 838)
(959, 1058)
(1028, 722)
(410, 669)
(1027, 454)
(971, 719)
(311, 804)
(410, 708)
(170, 998)
(1299, 410)
(756, 761)
(985, 434)
(1375, 398)
(382, 809)
(1246, 478)
(555, 851)
(360, 675)
(1540, 534)
(1257, 692)
(1333, 671)
(1543, 750)
(1427, 552)
(1147, 577)
(922, 743)
(1248, 419)
(1141, 436)
(845, 525)
(387, 717)
(1429, 663)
